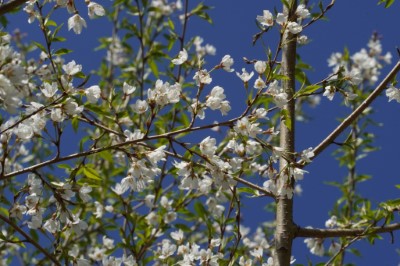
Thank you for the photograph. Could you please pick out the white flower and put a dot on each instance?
(294, 28)
(128, 89)
(140, 106)
(166, 250)
(71, 107)
(108, 243)
(281, 18)
(257, 253)
(329, 92)
(244, 127)
(245, 76)
(76, 23)
(331, 222)
(202, 77)
(72, 68)
(95, 9)
(216, 101)
(17, 211)
(93, 93)
(354, 76)
(298, 173)
(307, 154)
(77, 225)
(24, 131)
(334, 248)
(302, 11)
(266, 19)
(182, 57)
(207, 146)
(137, 134)
(49, 90)
(157, 155)
(84, 193)
(260, 67)
(226, 63)
(302, 40)
(281, 99)
(177, 236)
(259, 84)
(315, 245)
(57, 115)
(52, 225)
(393, 93)
(164, 93)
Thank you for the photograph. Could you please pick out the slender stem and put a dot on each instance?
(345, 232)
(356, 113)
(30, 240)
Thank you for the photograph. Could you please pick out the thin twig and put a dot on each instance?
(30, 240)
(355, 114)
(345, 232)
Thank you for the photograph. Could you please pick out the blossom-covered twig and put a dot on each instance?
(350, 119)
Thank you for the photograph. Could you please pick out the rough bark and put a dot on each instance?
(284, 213)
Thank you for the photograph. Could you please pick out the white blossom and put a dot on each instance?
(260, 67)
(140, 106)
(72, 68)
(393, 93)
(245, 76)
(49, 90)
(93, 94)
(128, 89)
(182, 58)
(95, 9)
(202, 77)
(266, 19)
(76, 23)
(226, 63)
(302, 11)
(294, 28)
(207, 146)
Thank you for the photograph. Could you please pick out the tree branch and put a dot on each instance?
(345, 232)
(30, 240)
(4, 9)
(353, 116)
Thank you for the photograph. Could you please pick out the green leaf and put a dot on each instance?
(75, 123)
(62, 51)
(40, 46)
(388, 3)
(50, 22)
(307, 90)
(200, 210)
(171, 24)
(91, 173)
(154, 68)
(286, 119)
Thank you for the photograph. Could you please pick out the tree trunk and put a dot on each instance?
(284, 212)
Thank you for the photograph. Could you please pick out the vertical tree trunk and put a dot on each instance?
(284, 212)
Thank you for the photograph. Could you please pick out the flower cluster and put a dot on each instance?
(363, 67)
(294, 27)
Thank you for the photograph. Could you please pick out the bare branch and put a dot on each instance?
(355, 114)
(30, 240)
(4, 9)
(345, 232)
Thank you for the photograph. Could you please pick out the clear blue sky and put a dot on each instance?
(350, 24)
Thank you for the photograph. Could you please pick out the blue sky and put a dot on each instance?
(350, 24)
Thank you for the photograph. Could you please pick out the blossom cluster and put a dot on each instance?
(361, 68)
(294, 27)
